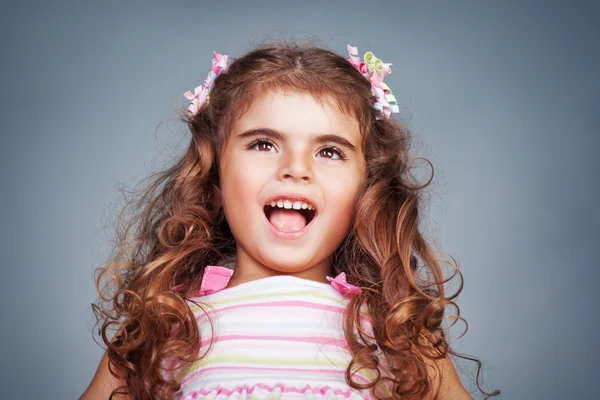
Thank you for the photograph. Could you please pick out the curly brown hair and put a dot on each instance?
(177, 227)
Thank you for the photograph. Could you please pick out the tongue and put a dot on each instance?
(287, 220)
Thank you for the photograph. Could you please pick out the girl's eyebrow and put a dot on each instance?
(278, 135)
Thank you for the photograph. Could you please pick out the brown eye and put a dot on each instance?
(331, 152)
(327, 152)
(264, 146)
(261, 145)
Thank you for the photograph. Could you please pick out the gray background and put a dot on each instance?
(502, 95)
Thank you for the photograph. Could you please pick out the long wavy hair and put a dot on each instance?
(176, 227)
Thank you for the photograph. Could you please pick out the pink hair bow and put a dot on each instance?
(200, 96)
(375, 70)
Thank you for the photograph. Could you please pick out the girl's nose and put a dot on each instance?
(296, 167)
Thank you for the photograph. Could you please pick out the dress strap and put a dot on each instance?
(216, 278)
(346, 289)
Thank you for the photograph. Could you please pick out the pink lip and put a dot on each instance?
(289, 235)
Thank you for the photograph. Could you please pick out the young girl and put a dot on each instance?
(281, 256)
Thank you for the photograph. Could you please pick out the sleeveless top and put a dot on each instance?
(279, 337)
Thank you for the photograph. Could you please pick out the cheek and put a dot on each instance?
(341, 192)
(344, 205)
(232, 190)
(240, 186)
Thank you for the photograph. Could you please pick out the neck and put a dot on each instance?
(247, 269)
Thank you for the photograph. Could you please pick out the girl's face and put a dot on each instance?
(288, 146)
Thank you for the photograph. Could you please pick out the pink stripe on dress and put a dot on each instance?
(284, 389)
(287, 303)
(309, 339)
(357, 375)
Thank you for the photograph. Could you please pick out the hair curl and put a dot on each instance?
(177, 227)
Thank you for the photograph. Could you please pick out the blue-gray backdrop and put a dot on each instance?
(504, 97)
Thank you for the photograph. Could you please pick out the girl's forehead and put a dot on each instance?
(294, 108)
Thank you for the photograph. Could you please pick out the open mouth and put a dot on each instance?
(286, 218)
(308, 215)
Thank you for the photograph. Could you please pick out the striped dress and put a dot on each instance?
(279, 337)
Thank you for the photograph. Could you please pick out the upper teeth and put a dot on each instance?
(296, 205)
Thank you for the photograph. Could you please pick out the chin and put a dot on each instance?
(287, 261)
